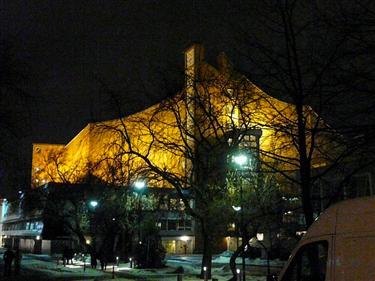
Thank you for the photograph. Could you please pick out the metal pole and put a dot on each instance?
(139, 217)
(84, 263)
(243, 229)
(180, 277)
(268, 264)
(268, 257)
(113, 271)
(148, 250)
(238, 276)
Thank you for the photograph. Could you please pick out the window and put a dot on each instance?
(176, 224)
(176, 204)
(249, 141)
(184, 224)
(172, 225)
(163, 225)
(309, 264)
(359, 186)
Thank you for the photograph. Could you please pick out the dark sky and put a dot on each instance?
(69, 46)
(69, 54)
(72, 53)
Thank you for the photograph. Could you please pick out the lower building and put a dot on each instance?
(43, 233)
(23, 232)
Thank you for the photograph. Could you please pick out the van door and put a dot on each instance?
(355, 257)
(310, 262)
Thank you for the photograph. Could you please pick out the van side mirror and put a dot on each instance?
(271, 277)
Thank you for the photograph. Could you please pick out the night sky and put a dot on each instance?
(69, 46)
(71, 54)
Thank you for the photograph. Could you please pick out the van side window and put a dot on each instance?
(309, 264)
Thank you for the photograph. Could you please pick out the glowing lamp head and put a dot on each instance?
(184, 238)
(94, 203)
(236, 208)
(260, 236)
(240, 159)
(139, 185)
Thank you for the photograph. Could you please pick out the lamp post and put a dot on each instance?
(93, 204)
(238, 277)
(260, 238)
(139, 187)
(241, 160)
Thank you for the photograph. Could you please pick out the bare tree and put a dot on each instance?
(184, 143)
(256, 196)
(297, 53)
(16, 102)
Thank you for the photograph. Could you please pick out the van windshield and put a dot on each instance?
(309, 264)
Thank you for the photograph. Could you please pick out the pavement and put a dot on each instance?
(44, 267)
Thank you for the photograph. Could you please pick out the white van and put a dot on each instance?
(339, 245)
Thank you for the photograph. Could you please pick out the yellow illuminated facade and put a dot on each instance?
(214, 101)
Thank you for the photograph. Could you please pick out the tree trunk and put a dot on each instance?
(207, 254)
(306, 199)
(305, 166)
(232, 263)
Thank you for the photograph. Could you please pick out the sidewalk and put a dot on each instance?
(43, 267)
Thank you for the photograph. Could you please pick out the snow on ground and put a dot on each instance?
(47, 268)
(256, 262)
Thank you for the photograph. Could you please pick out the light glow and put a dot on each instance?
(184, 238)
(236, 208)
(93, 203)
(240, 159)
(260, 236)
(139, 184)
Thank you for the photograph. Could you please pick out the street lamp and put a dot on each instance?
(92, 222)
(241, 160)
(260, 238)
(93, 203)
(236, 208)
(238, 271)
(139, 186)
